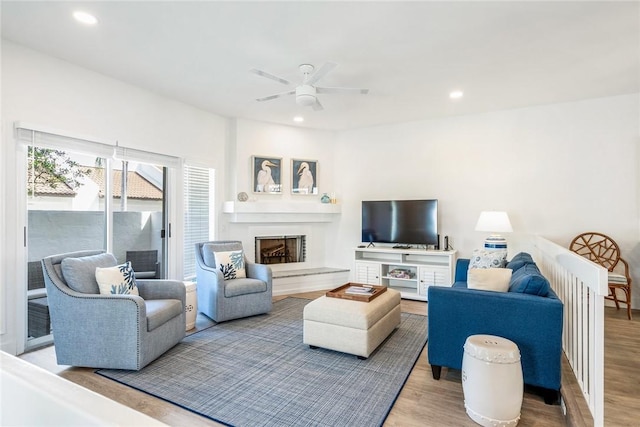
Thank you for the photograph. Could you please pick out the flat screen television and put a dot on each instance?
(404, 222)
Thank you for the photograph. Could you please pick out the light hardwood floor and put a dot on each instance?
(423, 401)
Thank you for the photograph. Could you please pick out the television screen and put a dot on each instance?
(400, 221)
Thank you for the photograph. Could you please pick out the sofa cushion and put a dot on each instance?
(489, 279)
(234, 288)
(117, 280)
(80, 273)
(520, 260)
(488, 259)
(159, 311)
(528, 280)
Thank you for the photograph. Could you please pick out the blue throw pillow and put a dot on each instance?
(519, 261)
(528, 280)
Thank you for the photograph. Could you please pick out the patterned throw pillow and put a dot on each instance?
(117, 280)
(231, 264)
(488, 259)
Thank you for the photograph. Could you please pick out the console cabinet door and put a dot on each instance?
(432, 276)
(367, 273)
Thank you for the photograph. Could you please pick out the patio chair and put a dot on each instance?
(144, 263)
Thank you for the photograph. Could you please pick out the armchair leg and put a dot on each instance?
(435, 371)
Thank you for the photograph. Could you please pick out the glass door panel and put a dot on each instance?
(138, 217)
(64, 215)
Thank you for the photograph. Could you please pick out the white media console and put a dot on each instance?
(410, 271)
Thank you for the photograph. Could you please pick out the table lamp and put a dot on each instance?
(494, 222)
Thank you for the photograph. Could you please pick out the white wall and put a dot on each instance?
(558, 170)
(46, 91)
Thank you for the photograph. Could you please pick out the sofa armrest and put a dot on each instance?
(533, 323)
(462, 267)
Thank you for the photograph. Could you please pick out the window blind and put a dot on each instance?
(41, 136)
(58, 141)
(198, 185)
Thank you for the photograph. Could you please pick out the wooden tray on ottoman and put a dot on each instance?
(340, 292)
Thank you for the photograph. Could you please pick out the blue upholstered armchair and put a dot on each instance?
(109, 331)
(232, 298)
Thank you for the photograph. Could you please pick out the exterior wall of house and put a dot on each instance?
(54, 232)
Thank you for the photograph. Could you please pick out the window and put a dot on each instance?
(198, 223)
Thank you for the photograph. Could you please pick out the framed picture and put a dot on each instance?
(266, 174)
(304, 176)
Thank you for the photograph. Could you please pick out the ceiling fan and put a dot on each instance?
(307, 91)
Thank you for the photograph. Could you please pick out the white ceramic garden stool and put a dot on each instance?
(191, 305)
(492, 380)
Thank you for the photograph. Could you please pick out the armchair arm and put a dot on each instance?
(260, 272)
(162, 289)
(626, 270)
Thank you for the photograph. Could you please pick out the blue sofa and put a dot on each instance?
(533, 321)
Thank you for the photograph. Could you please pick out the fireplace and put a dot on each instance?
(280, 249)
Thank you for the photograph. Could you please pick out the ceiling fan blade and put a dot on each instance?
(341, 90)
(269, 76)
(277, 95)
(322, 71)
(317, 106)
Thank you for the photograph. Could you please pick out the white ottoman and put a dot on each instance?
(352, 327)
(492, 380)
(191, 305)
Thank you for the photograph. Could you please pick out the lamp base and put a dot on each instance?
(495, 242)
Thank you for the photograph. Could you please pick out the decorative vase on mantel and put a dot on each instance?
(325, 198)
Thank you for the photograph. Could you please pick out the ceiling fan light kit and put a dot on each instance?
(305, 95)
(306, 92)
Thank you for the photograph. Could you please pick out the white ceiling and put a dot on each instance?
(410, 55)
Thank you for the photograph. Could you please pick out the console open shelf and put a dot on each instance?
(410, 271)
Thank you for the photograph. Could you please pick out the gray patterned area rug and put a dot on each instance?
(257, 372)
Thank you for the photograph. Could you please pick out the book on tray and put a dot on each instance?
(359, 290)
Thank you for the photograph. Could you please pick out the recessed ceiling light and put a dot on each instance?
(85, 18)
(456, 94)
(298, 119)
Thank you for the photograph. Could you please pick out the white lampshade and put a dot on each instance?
(494, 222)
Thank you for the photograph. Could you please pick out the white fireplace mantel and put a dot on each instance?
(285, 211)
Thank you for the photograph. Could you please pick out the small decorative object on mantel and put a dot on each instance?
(304, 177)
(242, 196)
(325, 198)
(266, 174)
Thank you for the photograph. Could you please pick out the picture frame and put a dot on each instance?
(304, 177)
(266, 174)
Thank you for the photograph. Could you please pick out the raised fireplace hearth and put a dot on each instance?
(280, 249)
